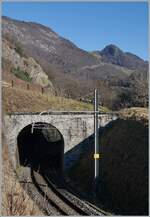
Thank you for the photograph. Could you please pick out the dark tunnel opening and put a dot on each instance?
(43, 149)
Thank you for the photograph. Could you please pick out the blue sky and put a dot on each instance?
(91, 26)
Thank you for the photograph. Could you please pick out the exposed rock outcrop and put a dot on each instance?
(26, 64)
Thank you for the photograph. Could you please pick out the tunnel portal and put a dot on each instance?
(42, 149)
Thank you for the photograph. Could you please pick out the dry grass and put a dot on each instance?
(20, 100)
(15, 200)
(140, 114)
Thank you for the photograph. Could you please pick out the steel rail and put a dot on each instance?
(65, 199)
(45, 196)
(77, 194)
(58, 194)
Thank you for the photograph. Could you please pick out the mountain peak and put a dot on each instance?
(111, 50)
(114, 55)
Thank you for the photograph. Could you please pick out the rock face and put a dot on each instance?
(26, 64)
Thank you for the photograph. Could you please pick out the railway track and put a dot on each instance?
(70, 195)
(75, 192)
(42, 189)
(62, 201)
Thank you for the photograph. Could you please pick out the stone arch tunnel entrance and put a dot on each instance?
(42, 149)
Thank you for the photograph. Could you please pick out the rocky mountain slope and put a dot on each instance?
(47, 46)
(113, 54)
(25, 68)
(75, 72)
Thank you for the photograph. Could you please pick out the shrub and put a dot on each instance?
(21, 74)
(19, 50)
(25, 62)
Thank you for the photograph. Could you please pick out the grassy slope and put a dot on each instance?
(20, 100)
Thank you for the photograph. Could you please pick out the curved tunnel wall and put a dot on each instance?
(43, 149)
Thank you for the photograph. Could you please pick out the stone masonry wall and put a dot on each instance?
(74, 127)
